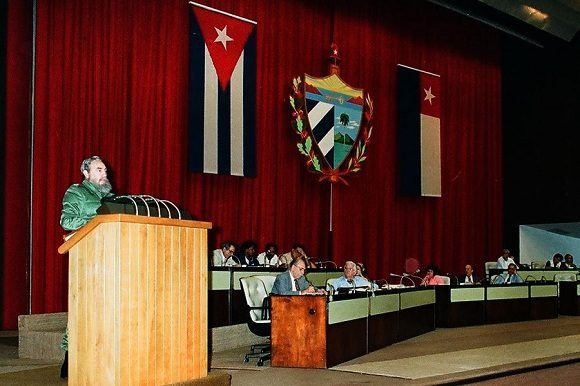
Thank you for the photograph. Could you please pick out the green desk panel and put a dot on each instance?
(543, 291)
(417, 298)
(345, 310)
(507, 292)
(219, 280)
(467, 294)
(382, 304)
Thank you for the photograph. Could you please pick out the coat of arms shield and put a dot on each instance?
(333, 120)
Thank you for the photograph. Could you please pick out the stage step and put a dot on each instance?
(40, 335)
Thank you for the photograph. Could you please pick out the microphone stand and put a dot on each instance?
(330, 292)
(530, 276)
(411, 277)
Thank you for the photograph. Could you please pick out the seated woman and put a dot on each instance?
(247, 256)
(432, 277)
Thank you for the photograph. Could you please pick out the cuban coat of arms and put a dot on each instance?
(334, 122)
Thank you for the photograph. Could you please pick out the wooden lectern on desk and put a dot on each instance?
(298, 331)
(137, 302)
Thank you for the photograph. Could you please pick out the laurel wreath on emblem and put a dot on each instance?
(304, 145)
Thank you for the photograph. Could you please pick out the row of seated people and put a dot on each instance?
(294, 282)
(558, 261)
(229, 255)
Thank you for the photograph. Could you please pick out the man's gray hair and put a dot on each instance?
(86, 164)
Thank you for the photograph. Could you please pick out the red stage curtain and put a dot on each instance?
(111, 79)
(15, 224)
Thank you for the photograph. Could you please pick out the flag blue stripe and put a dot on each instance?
(250, 106)
(409, 132)
(196, 102)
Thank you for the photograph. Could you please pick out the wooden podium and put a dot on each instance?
(137, 301)
(298, 331)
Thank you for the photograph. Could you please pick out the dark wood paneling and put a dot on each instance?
(569, 299)
(346, 341)
(416, 321)
(383, 330)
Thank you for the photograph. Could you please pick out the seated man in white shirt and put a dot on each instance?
(224, 256)
(269, 257)
(556, 261)
(505, 260)
(296, 252)
(350, 278)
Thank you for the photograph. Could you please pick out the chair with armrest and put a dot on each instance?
(258, 317)
(268, 281)
(489, 265)
(446, 279)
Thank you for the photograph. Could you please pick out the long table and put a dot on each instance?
(458, 306)
(314, 332)
(539, 275)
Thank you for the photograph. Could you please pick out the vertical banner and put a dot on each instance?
(222, 92)
(419, 134)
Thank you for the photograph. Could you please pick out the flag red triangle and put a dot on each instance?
(225, 37)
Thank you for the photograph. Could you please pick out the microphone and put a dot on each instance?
(381, 281)
(530, 276)
(399, 276)
(450, 275)
(543, 279)
(330, 292)
(409, 276)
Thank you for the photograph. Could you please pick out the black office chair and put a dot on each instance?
(258, 316)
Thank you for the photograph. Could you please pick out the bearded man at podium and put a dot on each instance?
(79, 206)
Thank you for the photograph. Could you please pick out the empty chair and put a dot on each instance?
(258, 317)
(446, 280)
(489, 265)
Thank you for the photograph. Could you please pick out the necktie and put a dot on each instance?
(296, 284)
(469, 279)
(509, 278)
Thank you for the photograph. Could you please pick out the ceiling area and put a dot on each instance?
(540, 22)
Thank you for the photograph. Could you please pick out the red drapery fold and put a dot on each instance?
(111, 79)
(15, 257)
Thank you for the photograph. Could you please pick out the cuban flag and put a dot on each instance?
(222, 93)
(419, 132)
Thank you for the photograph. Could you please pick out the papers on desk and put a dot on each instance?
(395, 286)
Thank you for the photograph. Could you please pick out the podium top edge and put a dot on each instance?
(128, 218)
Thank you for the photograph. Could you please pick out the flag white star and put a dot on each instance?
(429, 96)
(222, 37)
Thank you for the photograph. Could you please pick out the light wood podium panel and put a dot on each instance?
(137, 301)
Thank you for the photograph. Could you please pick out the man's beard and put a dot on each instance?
(106, 187)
